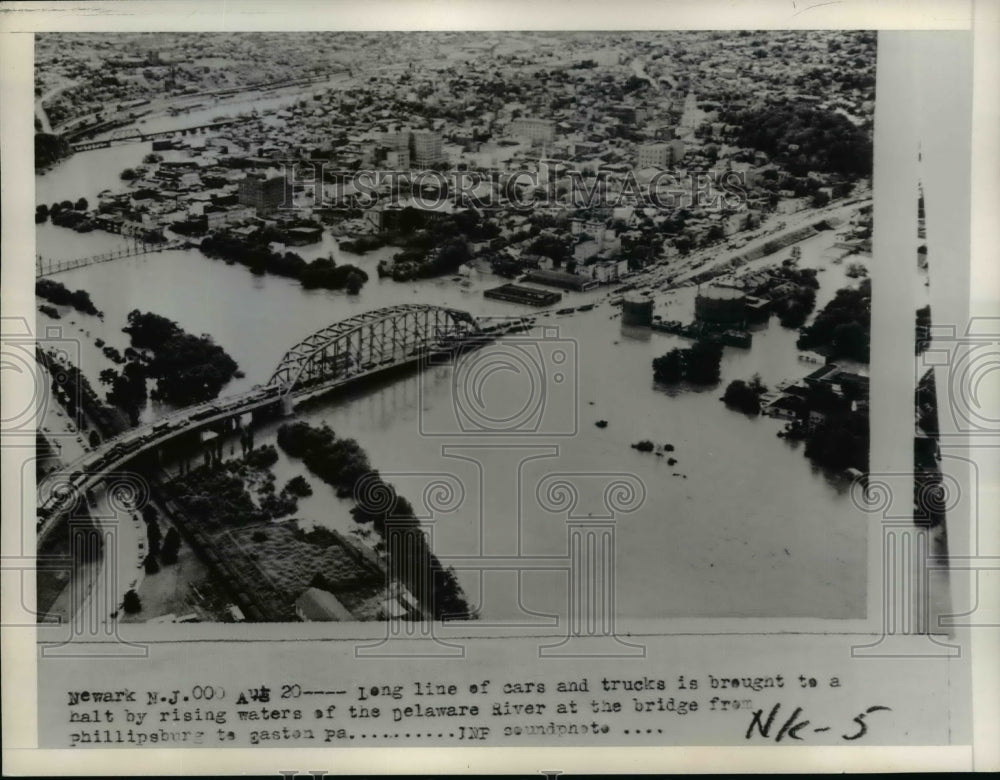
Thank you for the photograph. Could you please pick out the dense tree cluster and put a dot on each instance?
(216, 496)
(262, 457)
(557, 249)
(835, 427)
(364, 244)
(804, 138)
(298, 487)
(856, 271)
(843, 328)
(127, 389)
(131, 603)
(57, 293)
(792, 293)
(840, 441)
(745, 396)
(341, 463)
(698, 364)
(171, 546)
(49, 148)
(436, 244)
(324, 273)
(255, 253)
(188, 369)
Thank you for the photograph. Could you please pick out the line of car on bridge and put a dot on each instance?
(130, 443)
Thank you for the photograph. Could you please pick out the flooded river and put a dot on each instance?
(715, 534)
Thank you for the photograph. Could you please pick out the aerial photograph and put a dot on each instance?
(494, 328)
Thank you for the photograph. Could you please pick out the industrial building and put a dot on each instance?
(561, 279)
(515, 293)
(720, 306)
(637, 311)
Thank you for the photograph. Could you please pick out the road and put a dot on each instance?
(711, 257)
(40, 112)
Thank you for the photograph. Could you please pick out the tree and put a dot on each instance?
(94, 440)
(129, 174)
(150, 564)
(744, 396)
(80, 205)
(757, 385)
(669, 367)
(298, 486)
(131, 603)
(171, 544)
(48, 149)
(820, 199)
(153, 536)
(188, 368)
(856, 271)
(353, 283)
(703, 361)
(683, 244)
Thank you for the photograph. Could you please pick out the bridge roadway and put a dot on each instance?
(60, 491)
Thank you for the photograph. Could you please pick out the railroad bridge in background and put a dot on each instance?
(336, 356)
(45, 266)
(128, 134)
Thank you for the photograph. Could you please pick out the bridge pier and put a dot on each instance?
(246, 440)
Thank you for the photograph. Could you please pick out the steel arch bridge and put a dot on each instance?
(370, 341)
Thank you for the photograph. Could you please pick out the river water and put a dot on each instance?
(742, 524)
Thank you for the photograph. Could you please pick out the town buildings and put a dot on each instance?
(536, 131)
(263, 193)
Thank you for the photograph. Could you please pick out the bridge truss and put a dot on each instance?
(369, 341)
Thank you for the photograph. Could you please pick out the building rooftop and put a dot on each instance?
(316, 604)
